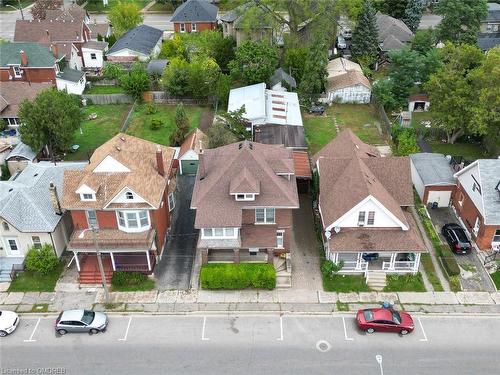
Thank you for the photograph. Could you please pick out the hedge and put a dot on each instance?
(450, 265)
(238, 276)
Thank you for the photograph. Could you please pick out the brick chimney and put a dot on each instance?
(24, 58)
(54, 199)
(159, 161)
(55, 50)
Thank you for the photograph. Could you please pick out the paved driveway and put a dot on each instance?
(473, 276)
(174, 269)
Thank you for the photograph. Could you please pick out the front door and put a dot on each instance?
(12, 247)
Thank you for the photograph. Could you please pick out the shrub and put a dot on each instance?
(238, 276)
(5, 172)
(151, 108)
(42, 260)
(121, 278)
(156, 124)
(455, 283)
(328, 268)
(450, 265)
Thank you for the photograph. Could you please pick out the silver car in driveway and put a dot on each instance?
(81, 321)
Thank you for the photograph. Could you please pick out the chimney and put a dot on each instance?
(48, 35)
(55, 50)
(159, 161)
(24, 58)
(54, 199)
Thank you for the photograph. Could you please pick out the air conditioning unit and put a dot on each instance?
(253, 250)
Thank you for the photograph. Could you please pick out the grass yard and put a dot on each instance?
(468, 150)
(147, 284)
(405, 283)
(28, 281)
(345, 283)
(496, 279)
(359, 117)
(97, 5)
(418, 117)
(431, 272)
(96, 132)
(104, 90)
(141, 120)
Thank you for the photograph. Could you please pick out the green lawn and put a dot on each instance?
(97, 6)
(496, 279)
(431, 272)
(96, 132)
(28, 281)
(468, 150)
(147, 284)
(345, 283)
(104, 90)
(140, 124)
(418, 117)
(359, 117)
(405, 283)
(24, 4)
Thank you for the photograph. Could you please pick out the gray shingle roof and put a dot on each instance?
(157, 66)
(141, 39)
(195, 11)
(489, 172)
(71, 75)
(493, 12)
(280, 75)
(392, 33)
(22, 150)
(486, 42)
(433, 168)
(25, 202)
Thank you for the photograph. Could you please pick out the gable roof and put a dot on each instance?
(136, 154)
(195, 11)
(22, 150)
(71, 75)
(196, 141)
(48, 31)
(73, 12)
(221, 168)
(348, 79)
(39, 56)
(433, 168)
(141, 39)
(340, 66)
(392, 33)
(280, 75)
(13, 93)
(25, 202)
(92, 44)
(98, 28)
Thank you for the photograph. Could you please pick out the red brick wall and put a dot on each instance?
(200, 26)
(437, 188)
(284, 220)
(30, 75)
(105, 219)
(160, 220)
(79, 219)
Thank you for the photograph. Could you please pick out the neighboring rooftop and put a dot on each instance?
(290, 136)
(96, 45)
(157, 66)
(98, 28)
(433, 169)
(38, 55)
(392, 33)
(493, 12)
(195, 11)
(488, 41)
(22, 150)
(71, 75)
(340, 66)
(48, 31)
(348, 79)
(196, 140)
(281, 76)
(13, 93)
(140, 39)
(72, 12)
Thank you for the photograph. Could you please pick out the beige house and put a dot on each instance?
(346, 82)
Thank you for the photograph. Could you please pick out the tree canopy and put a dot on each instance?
(220, 135)
(181, 126)
(136, 81)
(124, 16)
(413, 14)
(365, 36)
(394, 8)
(254, 62)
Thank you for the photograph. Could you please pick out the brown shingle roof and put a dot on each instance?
(137, 155)
(244, 182)
(72, 12)
(98, 29)
(14, 93)
(59, 31)
(192, 142)
(215, 207)
(301, 163)
(258, 236)
(348, 79)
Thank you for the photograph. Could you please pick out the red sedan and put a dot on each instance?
(388, 320)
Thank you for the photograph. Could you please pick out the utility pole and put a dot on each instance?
(21, 9)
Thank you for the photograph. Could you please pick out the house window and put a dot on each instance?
(361, 218)
(245, 197)
(264, 215)
(5, 226)
(121, 219)
(143, 218)
(92, 219)
(219, 233)
(129, 195)
(13, 245)
(279, 239)
(371, 217)
(133, 221)
(207, 232)
(229, 232)
(88, 197)
(193, 27)
(171, 201)
(93, 56)
(182, 28)
(17, 71)
(37, 244)
(496, 237)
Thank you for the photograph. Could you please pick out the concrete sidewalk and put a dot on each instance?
(284, 300)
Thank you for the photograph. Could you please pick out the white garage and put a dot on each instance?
(441, 197)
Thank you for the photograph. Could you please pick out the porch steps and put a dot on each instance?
(89, 271)
(283, 272)
(376, 280)
(4, 276)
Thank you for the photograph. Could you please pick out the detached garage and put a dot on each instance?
(193, 145)
(432, 177)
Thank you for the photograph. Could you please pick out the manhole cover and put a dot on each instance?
(323, 346)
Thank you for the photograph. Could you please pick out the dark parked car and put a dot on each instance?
(370, 256)
(457, 238)
(316, 109)
(384, 320)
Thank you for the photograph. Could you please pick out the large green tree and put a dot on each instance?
(51, 119)
(403, 73)
(124, 16)
(175, 79)
(394, 8)
(181, 126)
(136, 81)
(461, 20)
(313, 79)
(254, 62)
(423, 41)
(365, 36)
(413, 14)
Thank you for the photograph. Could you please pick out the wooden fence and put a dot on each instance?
(383, 117)
(161, 97)
(108, 98)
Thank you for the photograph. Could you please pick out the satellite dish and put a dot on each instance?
(328, 234)
(336, 229)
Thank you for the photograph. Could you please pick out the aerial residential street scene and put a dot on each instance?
(249, 186)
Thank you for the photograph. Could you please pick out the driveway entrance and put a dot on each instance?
(174, 269)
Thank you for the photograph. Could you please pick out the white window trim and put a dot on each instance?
(246, 197)
(265, 222)
(9, 249)
(33, 241)
(5, 226)
(194, 27)
(280, 234)
(362, 222)
(18, 70)
(129, 195)
(368, 218)
(139, 227)
(96, 225)
(171, 206)
(496, 234)
(477, 226)
(182, 27)
(93, 56)
(82, 197)
(224, 236)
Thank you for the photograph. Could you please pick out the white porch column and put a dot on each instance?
(417, 262)
(335, 257)
(149, 260)
(112, 260)
(393, 261)
(358, 261)
(76, 260)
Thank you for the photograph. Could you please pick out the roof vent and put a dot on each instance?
(240, 146)
(250, 145)
(118, 148)
(122, 138)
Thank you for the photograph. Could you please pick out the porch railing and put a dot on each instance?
(354, 267)
(399, 266)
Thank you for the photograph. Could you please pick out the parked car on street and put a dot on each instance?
(457, 238)
(341, 43)
(316, 109)
(347, 33)
(81, 321)
(8, 322)
(384, 320)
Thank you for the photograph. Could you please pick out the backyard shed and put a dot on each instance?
(193, 145)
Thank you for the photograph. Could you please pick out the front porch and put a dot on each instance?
(237, 255)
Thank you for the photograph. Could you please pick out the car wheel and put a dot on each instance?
(93, 331)
(404, 332)
(62, 331)
(3, 333)
(370, 330)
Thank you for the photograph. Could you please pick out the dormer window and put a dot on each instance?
(129, 195)
(87, 197)
(17, 71)
(245, 197)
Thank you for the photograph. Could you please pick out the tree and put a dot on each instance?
(295, 61)
(113, 71)
(223, 89)
(365, 36)
(173, 48)
(39, 9)
(203, 76)
(423, 41)
(220, 135)
(461, 20)
(394, 8)
(235, 122)
(383, 91)
(176, 77)
(313, 78)
(124, 16)
(403, 73)
(51, 119)
(406, 142)
(455, 95)
(413, 14)
(181, 126)
(254, 62)
(349, 8)
(136, 81)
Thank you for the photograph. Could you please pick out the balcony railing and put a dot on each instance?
(112, 239)
(399, 266)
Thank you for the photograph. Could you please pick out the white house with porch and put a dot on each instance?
(363, 206)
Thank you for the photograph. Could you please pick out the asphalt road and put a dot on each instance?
(255, 344)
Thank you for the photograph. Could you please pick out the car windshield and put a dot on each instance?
(88, 316)
(396, 318)
(368, 315)
(461, 235)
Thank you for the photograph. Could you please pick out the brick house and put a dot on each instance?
(126, 192)
(244, 195)
(194, 16)
(477, 202)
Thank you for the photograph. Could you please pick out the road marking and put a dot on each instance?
(33, 333)
(423, 332)
(281, 329)
(126, 332)
(345, 331)
(378, 358)
(203, 338)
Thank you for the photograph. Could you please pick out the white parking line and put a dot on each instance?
(34, 330)
(281, 329)
(378, 358)
(203, 338)
(345, 331)
(423, 332)
(126, 332)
